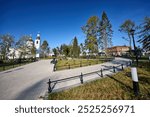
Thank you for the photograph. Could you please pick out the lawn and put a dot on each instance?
(74, 63)
(116, 87)
(10, 66)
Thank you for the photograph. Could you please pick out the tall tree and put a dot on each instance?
(75, 48)
(105, 32)
(6, 41)
(61, 50)
(66, 50)
(25, 46)
(44, 48)
(33, 51)
(91, 29)
(144, 34)
(126, 27)
(55, 52)
(82, 49)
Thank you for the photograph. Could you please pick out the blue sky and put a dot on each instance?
(59, 21)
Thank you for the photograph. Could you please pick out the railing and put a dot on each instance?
(80, 64)
(80, 77)
(10, 65)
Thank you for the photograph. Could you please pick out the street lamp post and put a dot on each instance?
(135, 48)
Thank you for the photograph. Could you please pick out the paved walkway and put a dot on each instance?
(30, 81)
(58, 86)
(25, 82)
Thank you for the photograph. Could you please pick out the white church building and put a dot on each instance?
(15, 53)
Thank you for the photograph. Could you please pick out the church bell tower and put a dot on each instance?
(37, 45)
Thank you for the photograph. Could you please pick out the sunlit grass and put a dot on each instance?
(74, 63)
(118, 86)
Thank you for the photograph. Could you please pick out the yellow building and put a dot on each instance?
(118, 50)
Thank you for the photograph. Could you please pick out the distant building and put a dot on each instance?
(51, 54)
(118, 50)
(16, 53)
(145, 53)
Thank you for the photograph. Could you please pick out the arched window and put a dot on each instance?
(36, 42)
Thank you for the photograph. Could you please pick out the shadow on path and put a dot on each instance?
(34, 91)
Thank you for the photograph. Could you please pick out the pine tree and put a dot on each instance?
(75, 48)
(144, 34)
(105, 32)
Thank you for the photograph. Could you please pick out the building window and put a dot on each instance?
(36, 42)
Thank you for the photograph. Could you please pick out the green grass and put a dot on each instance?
(142, 58)
(116, 87)
(10, 66)
(74, 63)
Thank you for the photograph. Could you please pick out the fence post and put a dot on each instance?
(80, 64)
(3, 67)
(13, 64)
(69, 66)
(49, 86)
(81, 78)
(114, 69)
(130, 63)
(101, 72)
(89, 63)
(122, 67)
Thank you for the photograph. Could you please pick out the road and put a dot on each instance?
(29, 82)
(25, 82)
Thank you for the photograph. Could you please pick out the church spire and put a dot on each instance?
(38, 36)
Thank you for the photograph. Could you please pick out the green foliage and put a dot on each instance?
(44, 48)
(6, 41)
(91, 29)
(82, 49)
(75, 48)
(105, 32)
(126, 27)
(55, 52)
(74, 63)
(91, 44)
(116, 87)
(44, 45)
(144, 34)
(33, 51)
(98, 33)
(24, 45)
(66, 49)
